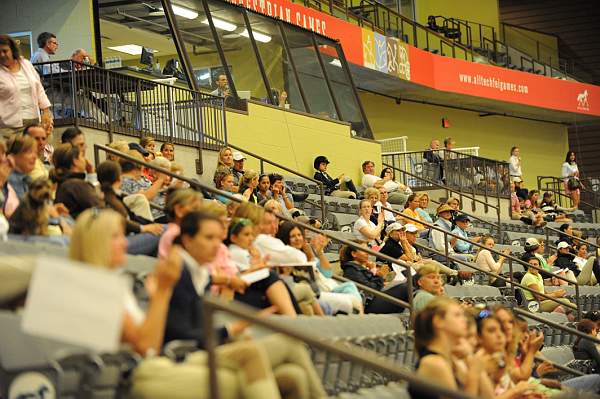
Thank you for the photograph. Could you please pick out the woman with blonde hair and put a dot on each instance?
(422, 209)
(225, 158)
(98, 239)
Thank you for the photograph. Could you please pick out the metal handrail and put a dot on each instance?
(231, 197)
(359, 355)
(280, 166)
(348, 10)
(555, 186)
(95, 97)
(379, 294)
(553, 324)
(448, 189)
(548, 229)
(510, 258)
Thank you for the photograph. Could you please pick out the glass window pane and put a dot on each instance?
(233, 36)
(342, 87)
(310, 72)
(126, 29)
(275, 61)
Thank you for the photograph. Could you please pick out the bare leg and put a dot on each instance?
(278, 296)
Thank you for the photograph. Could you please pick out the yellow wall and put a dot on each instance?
(294, 140)
(482, 11)
(543, 145)
(526, 41)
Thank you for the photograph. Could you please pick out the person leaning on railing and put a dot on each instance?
(23, 95)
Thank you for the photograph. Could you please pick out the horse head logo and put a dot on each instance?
(582, 101)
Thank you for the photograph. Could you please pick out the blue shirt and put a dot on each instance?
(20, 183)
(461, 246)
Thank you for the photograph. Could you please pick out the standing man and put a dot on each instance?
(222, 89)
(432, 156)
(47, 46)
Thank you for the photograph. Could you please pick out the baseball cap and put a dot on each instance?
(562, 245)
(393, 227)
(517, 179)
(411, 228)
(531, 244)
(461, 217)
(238, 156)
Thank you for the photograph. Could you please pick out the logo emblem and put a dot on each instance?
(582, 101)
(31, 385)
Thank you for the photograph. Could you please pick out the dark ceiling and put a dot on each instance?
(576, 23)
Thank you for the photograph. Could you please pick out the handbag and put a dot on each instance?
(573, 183)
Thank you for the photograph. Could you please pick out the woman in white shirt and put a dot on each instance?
(514, 166)
(570, 174)
(485, 260)
(365, 230)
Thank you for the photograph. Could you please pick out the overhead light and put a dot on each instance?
(204, 76)
(184, 12)
(259, 37)
(132, 49)
(220, 24)
(336, 62)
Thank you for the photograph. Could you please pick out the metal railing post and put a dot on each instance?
(210, 345)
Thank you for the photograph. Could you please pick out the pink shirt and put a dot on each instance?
(514, 202)
(222, 266)
(10, 103)
(166, 240)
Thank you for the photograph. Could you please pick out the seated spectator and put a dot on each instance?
(429, 284)
(422, 209)
(98, 240)
(248, 184)
(8, 198)
(22, 153)
(357, 267)
(536, 247)
(224, 182)
(398, 191)
(148, 144)
(168, 151)
(279, 193)
(179, 203)
(340, 297)
(585, 349)
(175, 182)
(410, 210)
(439, 328)
(587, 274)
(521, 191)
(534, 281)
(155, 176)
(131, 181)
(342, 186)
(364, 229)
(413, 256)
(238, 167)
(553, 212)
(485, 260)
(438, 240)
(73, 191)
(373, 195)
(118, 145)
(567, 234)
(389, 217)
(38, 133)
(76, 137)
(369, 178)
(263, 193)
(396, 244)
(109, 177)
(462, 223)
(519, 211)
